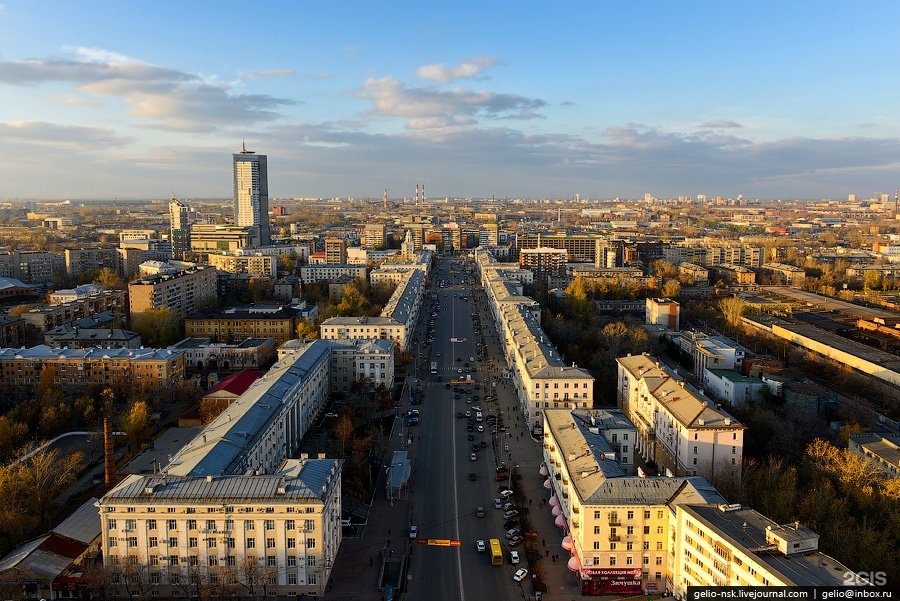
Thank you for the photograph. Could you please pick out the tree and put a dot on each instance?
(19, 310)
(12, 434)
(108, 278)
(343, 431)
(136, 424)
(46, 474)
(663, 269)
(307, 329)
(732, 307)
(671, 289)
(158, 327)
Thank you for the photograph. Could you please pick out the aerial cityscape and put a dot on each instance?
(485, 304)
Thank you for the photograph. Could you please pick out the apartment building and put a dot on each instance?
(11, 288)
(357, 360)
(12, 331)
(216, 535)
(310, 274)
(86, 338)
(544, 261)
(51, 316)
(82, 259)
(278, 322)
(69, 295)
(183, 291)
(252, 264)
(580, 248)
(693, 273)
(32, 267)
(736, 274)
(206, 237)
(786, 274)
(709, 352)
(374, 235)
(617, 527)
(663, 312)
(350, 328)
(21, 367)
(883, 449)
(335, 251)
(731, 545)
(684, 432)
(204, 354)
(263, 427)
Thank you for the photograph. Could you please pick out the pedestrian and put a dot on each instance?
(544, 542)
(529, 502)
(548, 553)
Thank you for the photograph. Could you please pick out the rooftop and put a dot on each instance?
(44, 352)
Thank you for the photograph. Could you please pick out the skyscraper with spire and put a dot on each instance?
(251, 194)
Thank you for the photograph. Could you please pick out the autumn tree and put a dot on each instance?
(307, 329)
(663, 269)
(671, 289)
(136, 424)
(158, 327)
(108, 278)
(12, 435)
(732, 308)
(343, 431)
(44, 476)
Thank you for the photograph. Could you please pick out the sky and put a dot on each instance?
(604, 99)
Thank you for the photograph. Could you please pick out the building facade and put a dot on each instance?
(251, 194)
(278, 322)
(179, 229)
(184, 291)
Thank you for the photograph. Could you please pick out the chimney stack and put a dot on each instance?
(109, 452)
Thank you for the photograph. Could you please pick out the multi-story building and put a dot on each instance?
(206, 237)
(883, 449)
(335, 251)
(202, 353)
(287, 288)
(87, 338)
(786, 274)
(664, 312)
(710, 352)
(32, 267)
(374, 236)
(263, 427)
(183, 292)
(732, 545)
(684, 432)
(357, 360)
(277, 534)
(251, 194)
(12, 331)
(544, 261)
(489, 235)
(179, 229)
(12, 288)
(253, 264)
(45, 318)
(21, 367)
(737, 274)
(580, 248)
(82, 259)
(617, 527)
(128, 260)
(693, 273)
(278, 322)
(78, 293)
(310, 274)
(365, 328)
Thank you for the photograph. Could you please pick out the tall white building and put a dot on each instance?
(179, 229)
(251, 194)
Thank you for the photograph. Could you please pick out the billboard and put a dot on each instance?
(611, 581)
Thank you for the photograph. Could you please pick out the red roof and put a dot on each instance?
(60, 545)
(236, 383)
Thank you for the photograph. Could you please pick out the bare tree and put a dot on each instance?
(732, 308)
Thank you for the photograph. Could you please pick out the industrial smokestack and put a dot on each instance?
(109, 452)
(423, 193)
(417, 194)
(384, 203)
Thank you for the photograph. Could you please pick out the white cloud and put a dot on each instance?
(267, 74)
(464, 70)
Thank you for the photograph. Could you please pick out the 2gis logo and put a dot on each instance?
(865, 578)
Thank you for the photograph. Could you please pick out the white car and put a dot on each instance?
(520, 574)
(473, 457)
(514, 557)
(413, 531)
(479, 544)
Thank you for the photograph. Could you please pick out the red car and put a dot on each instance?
(501, 477)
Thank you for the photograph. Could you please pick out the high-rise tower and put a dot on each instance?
(251, 193)
(179, 229)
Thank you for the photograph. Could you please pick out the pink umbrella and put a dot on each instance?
(560, 521)
(574, 565)
(567, 543)
(544, 471)
(556, 511)
(554, 501)
(547, 484)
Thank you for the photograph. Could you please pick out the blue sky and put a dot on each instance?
(603, 99)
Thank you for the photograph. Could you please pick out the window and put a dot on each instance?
(251, 543)
(152, 541)
(154, 578)
(646, 545)
(192, 524)
(270, 524)
(289, 525)
(111, 524)
(311, 562)
(229, 542)
(612, 561)
(151, 524)
(130, 524)
(310, 543)
(629, 530)
(210, 524)
(658, 562)
(229, 525)
(173, 560)
(292, 579)
(646, 561)
(249, 525)
(291, 543)
(192, 542)
(309, 525)
(612, 546)
(695, 461)
(630, 515)
(132, 541)
(596, 515)
(270, 543)
(629, 560)
(270, 561)
(291, 561)
(629, 546)
(154, 560)
(212, 560)
(171, 524)
(173, 541)
(311, 579)
(174, 578)
(596, 529)
(230, 560)
(596, 545)
(646, 529)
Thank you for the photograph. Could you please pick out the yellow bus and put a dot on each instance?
(496, 552)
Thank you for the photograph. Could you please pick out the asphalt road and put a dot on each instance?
(445, 498)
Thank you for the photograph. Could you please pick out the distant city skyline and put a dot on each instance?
(769, 100)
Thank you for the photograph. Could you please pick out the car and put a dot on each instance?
(513, 532)
(480, 428)
(473, 476)
(479, 546)
(468, 414)
(479, 512)
(510, 524)
(413, 531)
(512, 513)
(483, 444)
(412, 421)
(514, 542)
(331, 415)
(514, 557)
(447, 385)
(520, 574)
(460, 414)
(459, 358)
(502, 489)
(459, 371)
(472, 359)
(475, 447)
(473, 457)
(509, 506)
(498, 503)
(501, 478)
(501, 469)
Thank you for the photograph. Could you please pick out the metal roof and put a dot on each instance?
(42, 351)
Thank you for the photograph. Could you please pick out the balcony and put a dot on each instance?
(615, 521)
(614, 538)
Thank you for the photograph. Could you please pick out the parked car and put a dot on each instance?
(479, 512)
(413, 531)
(520, 574)
(505, 492)
(498, 503)
(510, 524)
(509, 506)
(515, 541)
(512, 513)
(473, 457)
(479, 545)
(513, 532)
(502, 469)
(501, 477)
(514, 557)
